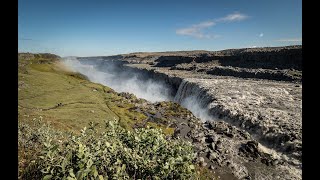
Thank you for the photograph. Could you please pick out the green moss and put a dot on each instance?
(165, 130)
(127, 117)
(173, 109)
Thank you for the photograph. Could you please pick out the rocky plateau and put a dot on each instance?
(252, 99)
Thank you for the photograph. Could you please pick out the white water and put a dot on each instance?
(188, 95)
(193, 98)
(121, 81)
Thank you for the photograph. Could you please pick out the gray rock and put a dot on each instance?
(212, 146)
(201, 159)
(212, 155)
(212, 138)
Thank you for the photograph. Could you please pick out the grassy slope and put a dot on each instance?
(43, 86)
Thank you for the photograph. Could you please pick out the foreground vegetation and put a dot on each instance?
(116, 153)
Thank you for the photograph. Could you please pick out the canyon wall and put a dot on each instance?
(267, 58)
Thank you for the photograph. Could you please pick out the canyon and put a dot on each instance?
(246, 104)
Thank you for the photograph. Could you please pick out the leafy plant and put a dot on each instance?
(116, 153)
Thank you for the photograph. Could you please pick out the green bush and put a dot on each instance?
(114, 154)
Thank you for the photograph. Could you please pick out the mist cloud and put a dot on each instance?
(106, 73)
(121, 81)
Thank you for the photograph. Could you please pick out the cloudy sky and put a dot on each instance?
(107, 27)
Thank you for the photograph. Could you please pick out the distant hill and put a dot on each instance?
(29, 56)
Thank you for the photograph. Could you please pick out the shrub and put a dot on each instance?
(114, 154)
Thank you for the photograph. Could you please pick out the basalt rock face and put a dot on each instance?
(168, 61)
(281, 75)
(267, 58)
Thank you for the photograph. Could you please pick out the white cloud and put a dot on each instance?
(196, 30)
(290, 40)
(233, 17)
(261, 35)
(205, 24)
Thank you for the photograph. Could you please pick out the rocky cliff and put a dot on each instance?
(267, 58)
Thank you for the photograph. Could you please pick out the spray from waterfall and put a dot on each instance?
(104, 72)
(193, 98)
(109, 74)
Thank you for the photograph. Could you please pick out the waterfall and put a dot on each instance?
(190, 94)
(194, 98)
(181, 92)
(111, 74)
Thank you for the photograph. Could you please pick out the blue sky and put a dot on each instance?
(107, 27)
